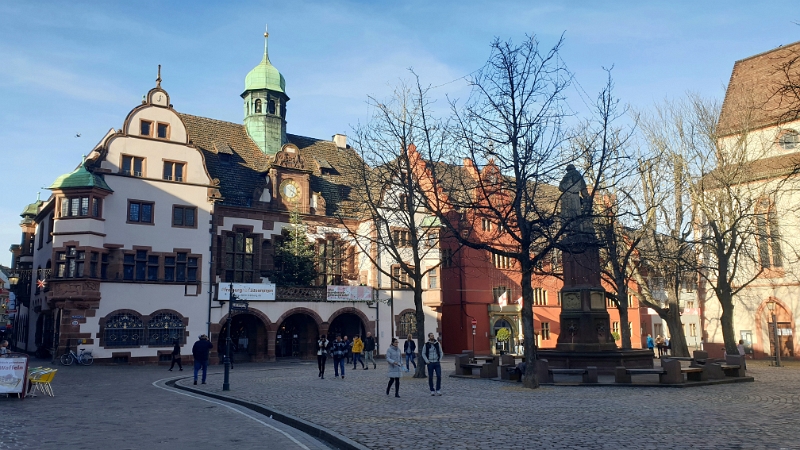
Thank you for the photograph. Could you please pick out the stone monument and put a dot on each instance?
(585, 336)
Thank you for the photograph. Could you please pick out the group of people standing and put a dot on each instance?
(342, 350)
(661, 343)
(345, 351)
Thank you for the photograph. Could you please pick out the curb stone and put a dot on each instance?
(310, 428)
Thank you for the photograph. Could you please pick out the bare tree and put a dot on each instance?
(396, 234)
(735, 235)
(512, 125)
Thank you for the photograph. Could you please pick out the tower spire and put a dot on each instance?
(266, 37)
(158, 80)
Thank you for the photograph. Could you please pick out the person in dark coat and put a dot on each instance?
(369, 351)
(409, 349)
(339, 351)
(176, 355)
(200, 351)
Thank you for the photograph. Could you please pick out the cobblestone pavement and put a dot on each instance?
(488, 414)
(119, 407)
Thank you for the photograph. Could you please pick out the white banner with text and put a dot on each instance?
(349, 293)
(248, 291)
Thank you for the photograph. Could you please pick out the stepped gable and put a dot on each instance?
(241, 173)
(757, 96)
(329, 175)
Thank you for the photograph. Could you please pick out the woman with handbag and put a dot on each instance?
(394, 359)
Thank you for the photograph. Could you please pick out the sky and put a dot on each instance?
(77, 68)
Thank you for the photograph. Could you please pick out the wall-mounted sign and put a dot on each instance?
(349, 293)
(248, 291)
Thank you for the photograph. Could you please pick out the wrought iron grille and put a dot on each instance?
(124, 330)
(164, 328)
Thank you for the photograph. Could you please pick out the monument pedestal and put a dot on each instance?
(605, 361)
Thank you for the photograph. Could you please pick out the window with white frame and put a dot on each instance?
(539, 297)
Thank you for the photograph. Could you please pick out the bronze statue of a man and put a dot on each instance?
(574, 193)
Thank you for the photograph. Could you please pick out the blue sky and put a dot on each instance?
(80, 67)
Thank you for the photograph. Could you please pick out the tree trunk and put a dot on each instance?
(677, 341)
(622, 306)
(421, 337)
(726, 320)
(529, 379)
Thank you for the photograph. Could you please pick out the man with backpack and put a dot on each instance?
(432, 355)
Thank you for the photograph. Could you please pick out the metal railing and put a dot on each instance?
(301, 294)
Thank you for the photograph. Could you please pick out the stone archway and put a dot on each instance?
(349, 314)
(249, 336)
(766, 332)
(296, 334)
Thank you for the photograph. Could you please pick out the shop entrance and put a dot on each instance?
(504, 339)
(347, 324)
(248, 339)
(296, 337)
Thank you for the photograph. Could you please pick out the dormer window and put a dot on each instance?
(145, 127)
(789, 140)
(258, 106)
(162, 130)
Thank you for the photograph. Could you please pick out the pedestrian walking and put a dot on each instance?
(394, 359)
(410, 349)
(660, 345)
(339, 351)
(740, 347)
(176, 355)
(349, 353)
(650, 343)
(200, 351)
(432, 355)
(369, 351)
(322, 354)
(358, 347)
(667, 346)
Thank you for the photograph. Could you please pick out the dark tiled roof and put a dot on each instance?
(242, 173)
(330, 176)
(756, 95)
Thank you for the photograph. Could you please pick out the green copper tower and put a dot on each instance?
(265, 105)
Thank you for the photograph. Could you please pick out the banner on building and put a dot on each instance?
(13, 375)
(248, 291)
(503, 299)
(349, 293)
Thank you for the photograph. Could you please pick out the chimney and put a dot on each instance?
(340, 140)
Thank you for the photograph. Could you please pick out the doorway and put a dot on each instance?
(347, 324)
(505, 339)
(296, 337)
(248, 339)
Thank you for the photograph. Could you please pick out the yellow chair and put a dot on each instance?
(41, 381)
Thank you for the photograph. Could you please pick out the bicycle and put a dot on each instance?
(84, 358)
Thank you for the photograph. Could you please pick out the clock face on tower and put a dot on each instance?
(290, 190)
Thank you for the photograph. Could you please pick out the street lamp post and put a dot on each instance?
(771, 306)
(13, 279)
(226, 385)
